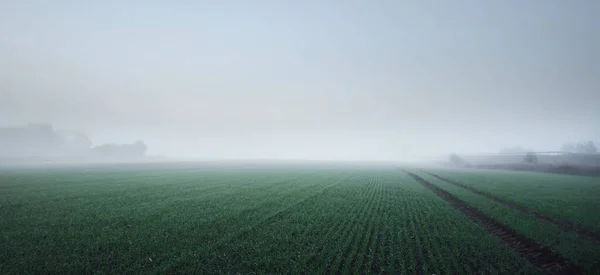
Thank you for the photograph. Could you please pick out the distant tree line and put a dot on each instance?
(515, 150)
(120, 150)
(575, 148)
(580, 148)
(41, 140)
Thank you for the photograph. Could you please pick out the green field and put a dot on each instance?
(563, 196)
(287, 218)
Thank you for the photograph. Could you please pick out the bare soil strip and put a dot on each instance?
(562, 225)
(537, 255)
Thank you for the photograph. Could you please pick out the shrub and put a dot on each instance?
(531, 158)
(456, 160)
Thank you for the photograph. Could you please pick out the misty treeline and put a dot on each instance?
(576, 148)
(573, 158)
(41, 140)
(580, 148)
(515, 150)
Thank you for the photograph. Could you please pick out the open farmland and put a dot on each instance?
(292, 218)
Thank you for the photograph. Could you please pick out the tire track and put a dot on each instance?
(537, 255)
(565, 226)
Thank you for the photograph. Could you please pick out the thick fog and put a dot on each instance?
(305, 79)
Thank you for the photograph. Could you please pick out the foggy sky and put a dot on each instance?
(306, 79)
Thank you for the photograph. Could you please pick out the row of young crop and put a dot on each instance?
(578, 250)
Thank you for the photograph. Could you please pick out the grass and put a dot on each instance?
(193, 218)
(570, 198)
(578, 250)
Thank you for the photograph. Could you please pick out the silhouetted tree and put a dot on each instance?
(590, 148)
(531, 157)
(456, 160)
(140, 148)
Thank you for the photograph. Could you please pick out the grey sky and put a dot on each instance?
(306, 79)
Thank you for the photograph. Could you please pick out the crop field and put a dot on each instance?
(332, 218)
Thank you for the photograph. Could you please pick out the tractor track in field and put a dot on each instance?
(529, 249)
(560, 224)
